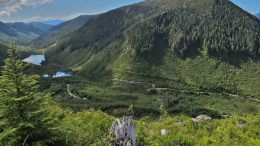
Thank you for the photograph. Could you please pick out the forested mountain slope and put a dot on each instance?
(188, 27)
(101, 31)
(21, 33)
(194, 45)
(57, 32)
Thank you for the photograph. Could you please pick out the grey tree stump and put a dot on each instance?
(125, 133)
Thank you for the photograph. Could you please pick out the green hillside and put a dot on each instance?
(204, 51)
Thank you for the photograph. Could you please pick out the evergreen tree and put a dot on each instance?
(26, 116)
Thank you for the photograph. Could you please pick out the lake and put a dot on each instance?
(35, 59)
(38, 59)
(60, 74)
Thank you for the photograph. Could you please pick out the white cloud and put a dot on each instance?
(8, 7)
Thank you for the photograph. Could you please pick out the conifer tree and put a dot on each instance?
(25, 115)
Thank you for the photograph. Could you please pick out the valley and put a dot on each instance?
(124, 68)
(162, 62)
(21, 33)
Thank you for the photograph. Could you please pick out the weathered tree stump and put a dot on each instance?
(125, 134)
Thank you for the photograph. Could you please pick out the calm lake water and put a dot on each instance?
(38, 59)
(58, 74)
(35, 59)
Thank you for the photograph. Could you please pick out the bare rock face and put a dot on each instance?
(241, 123)
(125, 133)
(226, 116)
(164, 132)
(181, 123)
(201, 118)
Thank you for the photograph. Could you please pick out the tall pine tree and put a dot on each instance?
(27, 117)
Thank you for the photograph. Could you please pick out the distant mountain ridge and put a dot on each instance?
(21, 33)
(257, 15)
(53, 22)
(58, 31)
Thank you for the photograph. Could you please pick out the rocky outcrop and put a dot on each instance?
(124, 132)
(201, 118)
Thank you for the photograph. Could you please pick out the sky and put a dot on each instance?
(44, 10)
(252, 6)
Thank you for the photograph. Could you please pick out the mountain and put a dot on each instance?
(21, 33)
(37, 28)
(53, 22)
(257, 15)
(57, 32)
(42, 26)
(182, 45)
(184, 34)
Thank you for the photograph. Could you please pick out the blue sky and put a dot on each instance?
(35, 10)
(252, 6)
